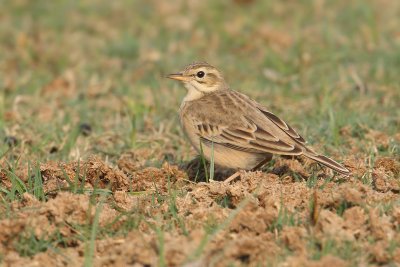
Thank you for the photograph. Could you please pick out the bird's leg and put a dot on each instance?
(232, 177)
(237, 174)
(262, 163)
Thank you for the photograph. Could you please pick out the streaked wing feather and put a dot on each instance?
(262, 134)
(283, 125)
(279, 145)
(235, 133)
(294, 151)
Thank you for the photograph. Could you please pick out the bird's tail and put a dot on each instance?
(330, 163)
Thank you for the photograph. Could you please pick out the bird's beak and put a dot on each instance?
(178, 77)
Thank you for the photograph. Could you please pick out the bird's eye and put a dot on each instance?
(200, 74)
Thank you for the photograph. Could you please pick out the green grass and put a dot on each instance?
(18, 187)
(346, 250)
(92, 233)
(285, 218)
(30, 245)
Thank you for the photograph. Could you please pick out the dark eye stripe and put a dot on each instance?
(212, 75)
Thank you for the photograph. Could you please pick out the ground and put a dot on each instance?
(95, 170)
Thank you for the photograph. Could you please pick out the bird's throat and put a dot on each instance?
(192, 94)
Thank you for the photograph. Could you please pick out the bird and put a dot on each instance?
(233, 129)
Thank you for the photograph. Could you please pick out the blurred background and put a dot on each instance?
(87, 77)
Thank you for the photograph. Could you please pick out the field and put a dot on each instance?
(95, 170)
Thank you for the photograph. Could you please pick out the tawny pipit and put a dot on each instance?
(239, 132)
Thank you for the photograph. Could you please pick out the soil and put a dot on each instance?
(263, 217)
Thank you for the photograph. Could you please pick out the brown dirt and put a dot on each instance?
(274, 216)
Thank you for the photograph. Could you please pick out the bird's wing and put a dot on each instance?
(235, 128)
(283, 126)
(286, 128)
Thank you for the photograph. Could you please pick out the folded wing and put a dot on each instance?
(244, 135)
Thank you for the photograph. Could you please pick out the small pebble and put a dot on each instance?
(53, 150)
(85, 129)
(11, 141)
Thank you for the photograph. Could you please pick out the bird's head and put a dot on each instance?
(200, 78)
